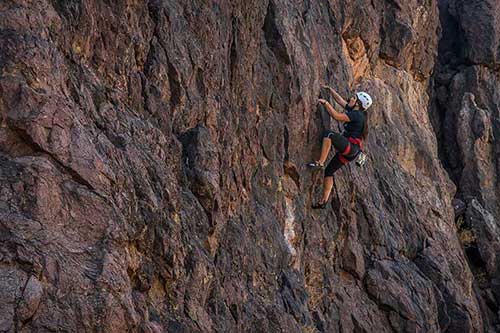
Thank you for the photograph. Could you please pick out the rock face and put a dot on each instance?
(466, 114)
(152, 166)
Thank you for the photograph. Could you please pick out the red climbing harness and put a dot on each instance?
(347, 150)
(356, 142)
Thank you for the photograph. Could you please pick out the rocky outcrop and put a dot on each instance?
(153, 174)
(466, 117)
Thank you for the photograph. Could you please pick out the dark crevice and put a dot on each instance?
(285, 143)
(70, 10)
(478, 267)
(474, 256)
(274, 38)
(469, 243)
(233, 309)
(449, 61)
(306, 9)
(278, 59)
(200, 85)
(157, 13)
(233, 57)
(175, 85)
(291, 171)
(264, 152)
(144, 86)
(198, 186)
(332, 19)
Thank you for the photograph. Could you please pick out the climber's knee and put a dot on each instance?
(333, 166)
(328, 134)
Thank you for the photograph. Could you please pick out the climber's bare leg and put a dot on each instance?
(325, 149)
(327, 188)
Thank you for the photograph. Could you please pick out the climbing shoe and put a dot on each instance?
(361, 159)
(315, 165)
(319, 205)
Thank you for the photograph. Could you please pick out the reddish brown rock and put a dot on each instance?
(152, 169)
(465, 115)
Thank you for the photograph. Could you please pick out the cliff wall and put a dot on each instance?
(153, 174)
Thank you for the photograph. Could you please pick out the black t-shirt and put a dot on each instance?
(354, 128)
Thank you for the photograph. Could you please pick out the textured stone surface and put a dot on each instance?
(152, 169)
(466, 115)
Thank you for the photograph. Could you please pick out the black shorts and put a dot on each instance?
(340, 143)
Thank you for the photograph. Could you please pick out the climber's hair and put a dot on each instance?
(364, 135)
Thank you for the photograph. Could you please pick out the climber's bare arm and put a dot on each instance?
(342, 102)
(334, 114)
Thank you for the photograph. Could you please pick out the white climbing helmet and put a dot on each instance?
(365, 99)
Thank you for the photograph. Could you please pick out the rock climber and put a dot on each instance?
(348, 144)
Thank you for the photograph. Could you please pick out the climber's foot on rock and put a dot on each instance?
(315, 165)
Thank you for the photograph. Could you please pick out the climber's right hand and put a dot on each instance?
(342, 102)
